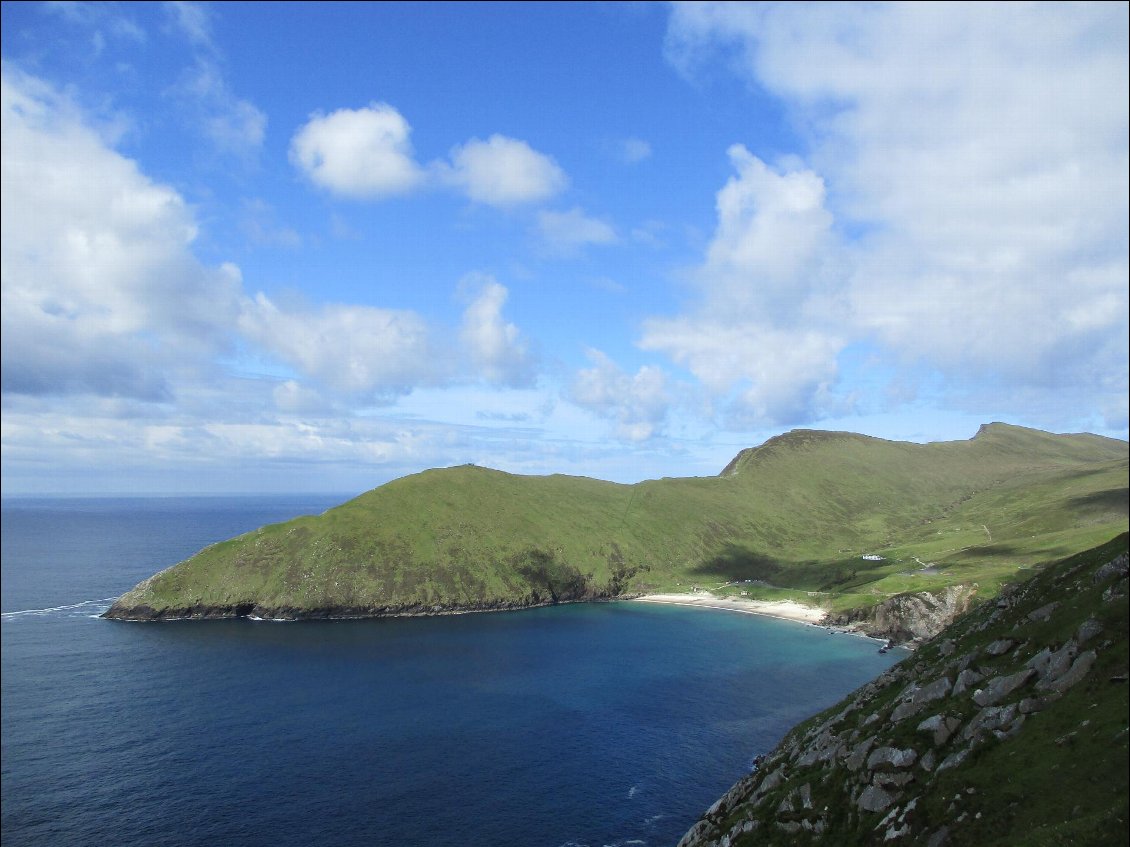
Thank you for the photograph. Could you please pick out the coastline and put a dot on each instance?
(788, 610)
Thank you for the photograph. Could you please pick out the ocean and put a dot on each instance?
(589, 724)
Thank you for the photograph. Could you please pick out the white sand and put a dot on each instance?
(786, 609)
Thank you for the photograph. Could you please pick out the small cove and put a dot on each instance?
(582, 724)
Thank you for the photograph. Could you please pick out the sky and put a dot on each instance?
(288, 247)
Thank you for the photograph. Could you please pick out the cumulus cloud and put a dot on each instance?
(101, 292)
(638, 403)
(494, 346)
(569, 232)
(771, 242)
(504, 172)
(367, 154)
(980, 152)
(359, 350)
(761, 336)
(362, 153)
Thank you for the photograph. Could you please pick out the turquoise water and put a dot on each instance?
(594, 724)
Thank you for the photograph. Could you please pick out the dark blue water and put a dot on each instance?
(585, 725)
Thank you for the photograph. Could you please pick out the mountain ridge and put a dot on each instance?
(790, 519)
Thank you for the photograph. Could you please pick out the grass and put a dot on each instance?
(796, 515)
(1061, 778)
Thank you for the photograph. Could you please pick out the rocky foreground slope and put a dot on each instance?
(1010, 728)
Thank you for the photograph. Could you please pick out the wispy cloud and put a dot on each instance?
(567, 233)
(235, 126)
(634, 150)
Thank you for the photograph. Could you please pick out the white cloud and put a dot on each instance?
(569, 232)
(504, 172)
(495, 347)
(101, 292)
(772, 240)
(762, 374)
(292, 397)
(638, 403)
(761, 337)
(359, 350)
(193, 20)
(234, 126)
(981, 152)
(359, 153)
(101, 18)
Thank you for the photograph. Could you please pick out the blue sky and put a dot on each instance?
(314, 247)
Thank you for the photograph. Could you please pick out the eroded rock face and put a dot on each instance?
(856, 772)
(912, 617)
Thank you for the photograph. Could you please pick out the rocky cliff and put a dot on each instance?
(1009, 727)
(910, 618)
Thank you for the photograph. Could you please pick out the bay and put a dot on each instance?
(592, 724)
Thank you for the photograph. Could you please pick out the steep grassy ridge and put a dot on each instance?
(1008, 728)
(796, 514)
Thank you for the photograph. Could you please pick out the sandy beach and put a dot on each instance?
(786, 609)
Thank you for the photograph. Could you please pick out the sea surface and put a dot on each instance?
(593, 724)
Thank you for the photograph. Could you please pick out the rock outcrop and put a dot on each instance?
(911, 618)
(1008, 727)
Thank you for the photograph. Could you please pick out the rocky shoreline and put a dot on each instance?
(254, 611)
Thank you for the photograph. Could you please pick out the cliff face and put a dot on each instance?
(911, 618)
(1010, 727)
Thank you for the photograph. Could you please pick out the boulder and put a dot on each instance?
(991, 719)
(874, 799)
(1000, 646)
(1049, 665)
(1000, 687)
(1043, 613)
(917, 699)
(966, 680)
(1079, 669)
(941, 727)
(891, 758)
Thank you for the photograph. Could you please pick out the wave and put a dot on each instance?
(85, 608)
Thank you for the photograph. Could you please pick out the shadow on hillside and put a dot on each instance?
(987, 551)
(1111, 500)
(736, 562)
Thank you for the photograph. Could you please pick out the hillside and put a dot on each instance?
(1009, 728)
(791, 518)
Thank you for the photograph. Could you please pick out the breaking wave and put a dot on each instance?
(86, 608)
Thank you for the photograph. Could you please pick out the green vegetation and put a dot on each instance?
(791, 518)
(1041, 761)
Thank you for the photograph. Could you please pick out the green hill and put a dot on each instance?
(1009, 728)
(791, 518)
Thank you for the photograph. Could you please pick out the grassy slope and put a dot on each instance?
(797, 512)
(1062, 778)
